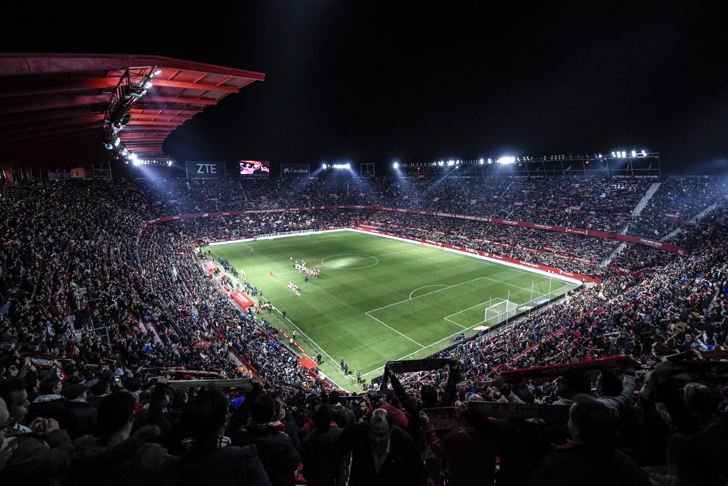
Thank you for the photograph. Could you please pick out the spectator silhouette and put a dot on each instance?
(209, 457)
(35, 453)
(590, 457)
(266, 431)
(116, 457)
(49, 402)
(382, 453)
(317, 448)
(77, 416)
(342, 415)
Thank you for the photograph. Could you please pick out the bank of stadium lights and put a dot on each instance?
(507, 160)
(118, 113)
(623, 154)
(336, 166)
(137, 161)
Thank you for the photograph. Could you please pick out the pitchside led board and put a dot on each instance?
(254, 167)
(295, 170)
(205, 170)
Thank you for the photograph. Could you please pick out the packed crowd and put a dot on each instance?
(109, 308)
(594, 203)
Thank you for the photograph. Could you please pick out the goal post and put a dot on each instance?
(499, 311)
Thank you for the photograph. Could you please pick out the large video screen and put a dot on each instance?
(254, 167)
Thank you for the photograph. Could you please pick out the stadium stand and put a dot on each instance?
(626, 377)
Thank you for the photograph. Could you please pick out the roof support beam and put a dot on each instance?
(163, 83)
(49, 86)
(151, 99)
(35, 103)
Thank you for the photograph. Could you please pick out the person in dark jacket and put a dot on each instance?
(429, 399)
(317, 448)
(77, 416)
(34, 454)
(591, 457)
(469, 454)
(520, 443)
(267, 433)
(209, 457)
(382, 453)
(116, 457)
(50, 401)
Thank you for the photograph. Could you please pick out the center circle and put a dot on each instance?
(349, 261)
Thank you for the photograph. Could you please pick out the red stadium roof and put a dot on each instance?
(53, 106)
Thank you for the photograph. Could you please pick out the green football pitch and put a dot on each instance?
(379, 299)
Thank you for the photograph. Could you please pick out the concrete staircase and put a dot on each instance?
(643, 202)
(693, 220)
(635, 212)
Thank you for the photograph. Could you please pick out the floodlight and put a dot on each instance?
(108, 146)
(481, 161)
(643, 153)
(634, 154)
(396, 165)
(507, 160)
(158, 71)
(148, 85)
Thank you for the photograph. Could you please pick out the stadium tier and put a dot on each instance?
(495, 306)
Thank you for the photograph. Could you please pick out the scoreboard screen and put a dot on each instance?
(254, 167)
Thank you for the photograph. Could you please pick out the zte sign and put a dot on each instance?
(205, 170)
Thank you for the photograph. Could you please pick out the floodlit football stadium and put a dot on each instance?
(364, 243)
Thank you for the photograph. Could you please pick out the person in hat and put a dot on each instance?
(77, 416)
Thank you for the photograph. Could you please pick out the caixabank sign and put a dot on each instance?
(205, 170)
(295, 170)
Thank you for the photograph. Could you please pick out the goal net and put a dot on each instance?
(500, 311)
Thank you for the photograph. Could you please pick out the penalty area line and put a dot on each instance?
(393, 329)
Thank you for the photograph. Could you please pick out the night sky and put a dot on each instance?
(378, 81)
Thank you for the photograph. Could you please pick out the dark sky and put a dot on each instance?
(374, 81)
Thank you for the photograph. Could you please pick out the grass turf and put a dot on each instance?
(378, 299)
